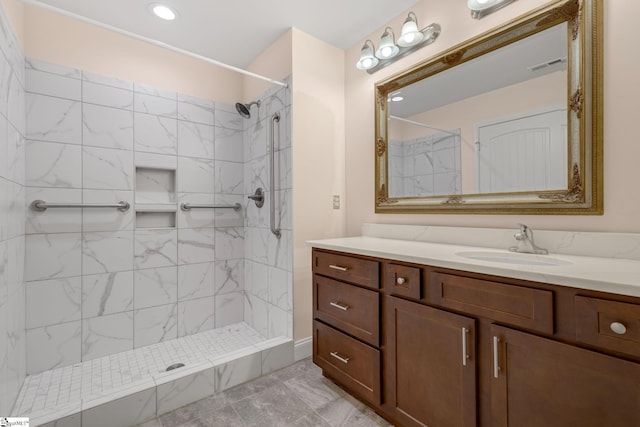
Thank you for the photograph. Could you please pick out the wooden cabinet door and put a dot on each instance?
(430, 365)
(539, 382)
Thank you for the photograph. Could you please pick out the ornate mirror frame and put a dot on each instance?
(584, 195)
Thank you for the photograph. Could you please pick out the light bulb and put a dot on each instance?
(367, 62)
(163, 12)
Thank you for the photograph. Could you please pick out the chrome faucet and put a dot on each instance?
(525, 242)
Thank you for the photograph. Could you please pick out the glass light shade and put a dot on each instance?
(482, 4)
(388, 48)
(367, 59)
(411, 35)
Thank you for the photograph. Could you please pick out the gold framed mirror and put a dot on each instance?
(509, 122)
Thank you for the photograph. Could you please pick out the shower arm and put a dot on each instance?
(272, 200)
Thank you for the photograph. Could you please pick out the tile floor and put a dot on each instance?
(94, 378)
(297, 395)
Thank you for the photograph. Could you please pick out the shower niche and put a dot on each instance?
(155, 197)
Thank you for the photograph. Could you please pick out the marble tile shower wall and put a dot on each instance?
(101, 281)
(12, 217)
(425, 166)
(268, 260)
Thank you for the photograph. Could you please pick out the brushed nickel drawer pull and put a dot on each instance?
(337, 267)
(340, 306)
(496, 363)
(344, 360)
(401, 280)
(618, 328)
(465, 355)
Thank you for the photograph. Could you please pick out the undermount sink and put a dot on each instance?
(513, 258)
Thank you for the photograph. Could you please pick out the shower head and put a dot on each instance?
(243, 109)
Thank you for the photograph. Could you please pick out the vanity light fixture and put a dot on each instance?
(367, 60)
(481, 8)
(410, 40)
(388, 48)
(163, 11)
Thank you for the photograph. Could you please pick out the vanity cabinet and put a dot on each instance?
(457, 348)
(346, 326)
(431, 362)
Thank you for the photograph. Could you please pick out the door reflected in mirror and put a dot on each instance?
(493, 124)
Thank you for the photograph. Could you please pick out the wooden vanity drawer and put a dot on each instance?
(348, 361)
(516, 305)
(403, 280)
(349, 308)
(608, 324)
(360, 271)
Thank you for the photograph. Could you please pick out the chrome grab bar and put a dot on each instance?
(41, 205)
(188, 206)
(274, 119)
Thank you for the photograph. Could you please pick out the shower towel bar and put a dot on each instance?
(189, 206)
(41, 205)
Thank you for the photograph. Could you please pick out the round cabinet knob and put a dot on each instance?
(618, 328)
(400, 280)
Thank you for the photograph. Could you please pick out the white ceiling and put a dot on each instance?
(237, 31)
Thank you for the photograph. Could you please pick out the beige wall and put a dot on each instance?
(14, 10)
(62, 40)
(621, 68)
(275, 62)
(317, 158)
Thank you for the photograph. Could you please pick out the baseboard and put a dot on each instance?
(303, 348)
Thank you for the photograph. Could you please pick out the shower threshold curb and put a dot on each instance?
(163, 392)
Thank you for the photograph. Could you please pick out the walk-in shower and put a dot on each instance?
(245, 109)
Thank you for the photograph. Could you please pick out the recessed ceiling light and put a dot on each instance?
(163, 12)
(397, 98)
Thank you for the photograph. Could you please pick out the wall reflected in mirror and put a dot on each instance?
(493, 124)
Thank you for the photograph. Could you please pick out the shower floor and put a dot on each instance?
(57, 393)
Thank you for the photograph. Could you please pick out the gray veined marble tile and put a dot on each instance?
(156, 105)
(45, 83)
(155, 324)
(5, 81)
(279, 284)
(154, 91)
(107, 219)
(256, 141)
(53, 165)
(53, 346)
(17, 104)
(229, 145)
(195, 316)
(196, 281)
(229, 308)
(175, 394)
(229, 276)
(127, 411)
(155, 185)
(50, 302)
(107, 127)
(194, 100)
(155, 134)
(256, 175)
(196, 245)
(155, 248)
(229, 217)
(257, 279)
(104, 294)
(196, 112)
(50, 256)
(256, 314)
(229, 177)
(156, 286)
(107, 169)
(106, 252)
(106, 335)
(108, 96)
(195, 175)
(107, 81)
(230, 120)
(196, 218)
(53, 119)
(278, 322)
(195, 140)
(54, 220)
(238, 371)
(229, 243)
(46, 67)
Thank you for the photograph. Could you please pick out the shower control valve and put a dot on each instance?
(258, 197)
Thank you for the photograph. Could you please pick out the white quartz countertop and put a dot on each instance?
(619, 276)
